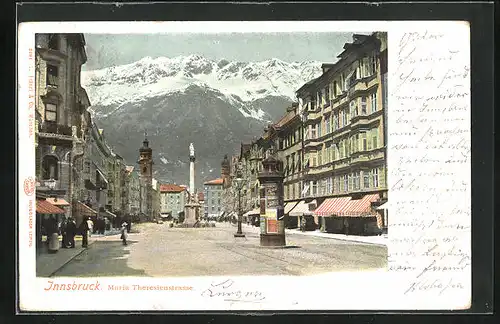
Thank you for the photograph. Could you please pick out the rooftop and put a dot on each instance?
(171, 188)
(214, 182)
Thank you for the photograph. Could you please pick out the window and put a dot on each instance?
(318, 125)
(337, 183)
(366, 179)
(54, 42)
(345, 180)
(293, 191)
(334, 89)
(373, 99)
(50, 167)
(345, 117)
(313, 160)
(354, 108)
(375, 178)
(314, 185)
(292, 161)
(327, 124)
(356, 181)
(50, 112)
(328, 151)
(52, 74)
(336, 121)
(363, 105)
(320, 98)
(374, 138)
(320, 157)
(329, 185)
(313, 131)
(327, 94)
(373, 64)
(364, 146)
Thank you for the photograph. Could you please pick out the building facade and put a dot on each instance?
(172, 199)
(213, 194)
(61, 107)
(132, 192)
(344, 145)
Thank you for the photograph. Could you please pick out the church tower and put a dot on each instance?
(225, 173)
(146, 172)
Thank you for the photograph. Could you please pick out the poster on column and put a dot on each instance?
(229, 88)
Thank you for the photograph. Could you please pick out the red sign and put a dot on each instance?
(29, 186)
(272, 226)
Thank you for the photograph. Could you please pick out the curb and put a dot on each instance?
(70, 259)
(341, 239)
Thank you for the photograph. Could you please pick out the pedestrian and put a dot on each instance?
(84, 229)
(124, 233)
(90, 224)
(71, 232)
(129, 225)
(64, 225)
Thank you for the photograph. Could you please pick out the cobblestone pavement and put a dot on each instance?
(158, 251)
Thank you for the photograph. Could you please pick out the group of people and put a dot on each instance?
(69, 230)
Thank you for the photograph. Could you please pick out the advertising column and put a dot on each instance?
(272, 227)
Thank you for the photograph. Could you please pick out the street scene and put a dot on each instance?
(160, 251)
(201, 159)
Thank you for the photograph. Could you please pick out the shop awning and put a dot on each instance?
(302, 208)
(107, 213)
(85, 210)
(383, 206)
(57, 202)
(255, 211)
(45, 207)
(332, 206)
(289, 206)
(360, 207)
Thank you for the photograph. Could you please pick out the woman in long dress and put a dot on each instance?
(124, 233)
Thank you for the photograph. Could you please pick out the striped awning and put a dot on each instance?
(360, 207)
(383, 206)
(332, 206)
(302, 208)
(289, 206)
(58, 202)
(45, 207)
(84, 210)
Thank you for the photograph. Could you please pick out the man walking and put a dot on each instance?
(64, 225)
(84, 229)
(71, 232)
(90, 225)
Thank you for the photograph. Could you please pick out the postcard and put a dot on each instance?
(265, 165)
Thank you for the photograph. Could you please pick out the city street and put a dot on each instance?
(158, 250)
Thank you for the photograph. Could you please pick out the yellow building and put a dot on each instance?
(344, 137)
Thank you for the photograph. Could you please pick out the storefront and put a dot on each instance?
(290, 222)
(327, 214)
(48, 218)
(82, 212)
(253, 217)
(304, 215)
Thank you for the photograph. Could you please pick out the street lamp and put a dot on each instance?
(239, 185)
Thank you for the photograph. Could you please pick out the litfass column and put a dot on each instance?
(272, 224)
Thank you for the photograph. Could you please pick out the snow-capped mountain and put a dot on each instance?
(238, 81)
(214, 104)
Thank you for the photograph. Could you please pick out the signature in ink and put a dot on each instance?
(226, 289)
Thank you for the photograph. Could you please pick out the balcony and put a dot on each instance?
(367, 156)
(54, 130)
(362, 85)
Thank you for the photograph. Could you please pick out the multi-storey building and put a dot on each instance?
(61, 105)
(344, 140)
(156, 200)
(172, 199)
(214, 203)
(132, 191)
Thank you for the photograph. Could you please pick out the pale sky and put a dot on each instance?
(104, 50)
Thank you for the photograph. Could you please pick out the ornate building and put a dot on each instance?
(61, 107)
